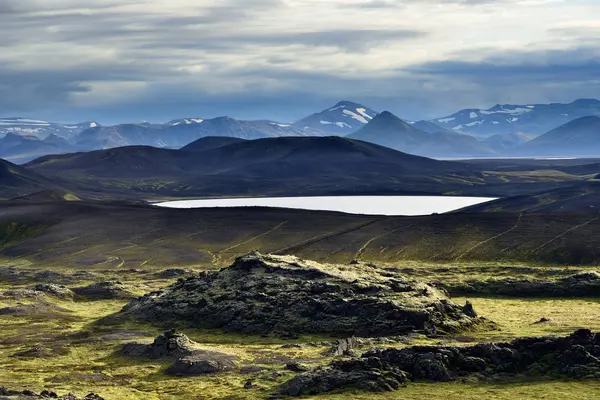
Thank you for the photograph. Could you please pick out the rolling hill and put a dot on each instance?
(580, 197)
(145, 237)
(275, 166)
(580, 137)
(17, 181)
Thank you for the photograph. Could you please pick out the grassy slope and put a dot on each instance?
(92, 235)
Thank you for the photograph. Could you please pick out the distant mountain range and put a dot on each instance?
(530, 119)
(41, 129)
(501, 130)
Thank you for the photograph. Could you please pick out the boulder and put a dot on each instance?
(51, 289)
(202, 363)
(267, 294)
(168, 345)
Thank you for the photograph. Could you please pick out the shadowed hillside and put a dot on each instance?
(133, 236)
(277, 166)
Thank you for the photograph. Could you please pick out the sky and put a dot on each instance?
(156, 60)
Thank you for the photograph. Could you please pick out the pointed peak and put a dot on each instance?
(346, 103)
(387, 115)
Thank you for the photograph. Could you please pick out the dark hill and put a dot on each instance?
(17, 181)
(580, 137)
(286, 165)
(211, 142)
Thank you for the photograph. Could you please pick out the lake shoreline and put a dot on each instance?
(361, 205)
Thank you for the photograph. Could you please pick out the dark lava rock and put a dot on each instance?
(586, 284)
(45, 394)
(168, 345)
(296, 367)
(576, 356)
(39, 291)
(270, 294)
(172, 273)
(364, 374)
(188, 360)
(202, 363)
(50, 289)
(343, 347)
(105, 290)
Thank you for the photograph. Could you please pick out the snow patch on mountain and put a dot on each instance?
(356, 116)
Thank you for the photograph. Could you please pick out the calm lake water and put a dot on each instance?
(370, 205)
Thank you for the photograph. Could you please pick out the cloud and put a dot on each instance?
(161, 59)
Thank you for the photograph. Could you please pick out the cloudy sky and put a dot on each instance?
(155, 60)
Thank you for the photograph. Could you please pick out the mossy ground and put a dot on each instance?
(84, 354)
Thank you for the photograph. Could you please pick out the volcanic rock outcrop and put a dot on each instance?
(6, 394)
(282, 295)
(585, 284)
(576, 356)
(188, 359)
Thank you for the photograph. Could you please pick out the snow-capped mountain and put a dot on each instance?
(342, 119)
(531, 119)
(41, 129)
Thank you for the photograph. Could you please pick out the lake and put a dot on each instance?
(368, 205)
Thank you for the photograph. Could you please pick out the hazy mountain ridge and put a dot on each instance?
(388, 130)
(531, 119)
(42, 129)
(499, 131)
(580, 137)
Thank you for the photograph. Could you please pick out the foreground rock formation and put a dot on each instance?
(188, 359)
(575, 356)
(284, 295)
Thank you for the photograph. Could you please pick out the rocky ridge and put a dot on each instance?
(584, 284)
(286, 296)
(575, 356)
